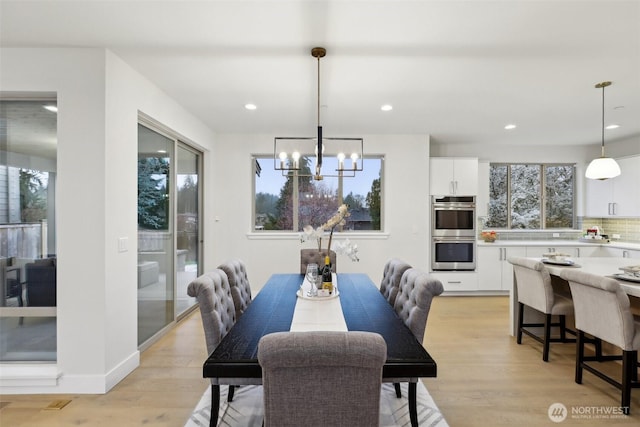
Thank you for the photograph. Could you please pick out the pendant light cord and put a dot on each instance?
(319, 91)
(603, 86)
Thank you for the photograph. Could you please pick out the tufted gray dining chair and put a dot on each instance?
(318, 379)
(390, 284)
(602, 310)
(313, 255)
(533, 283)
(413, 302)
(239, 282)
(213, 294)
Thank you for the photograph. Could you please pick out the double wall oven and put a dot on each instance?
(453, 231)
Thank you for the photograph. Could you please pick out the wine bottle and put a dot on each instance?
(327, 279)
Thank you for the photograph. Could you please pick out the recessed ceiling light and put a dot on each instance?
(162, 151)
(510, 126)
(612, 126)
(250, 106)
(51, 108)
(386, 107)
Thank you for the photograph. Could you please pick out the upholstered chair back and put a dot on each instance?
(213, 294)
(390, 284)
(602, 309)
(534, 284)
(239, 282)
(308, 256)
(417, 289)
(322, 378)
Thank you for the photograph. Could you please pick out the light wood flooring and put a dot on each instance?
(484, 378)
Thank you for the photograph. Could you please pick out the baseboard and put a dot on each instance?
(25, 378)
(123, 369)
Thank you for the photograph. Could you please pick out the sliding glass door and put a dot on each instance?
(155, 233)
(187, 224)
(168, 228)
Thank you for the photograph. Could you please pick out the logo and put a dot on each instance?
(557, 412)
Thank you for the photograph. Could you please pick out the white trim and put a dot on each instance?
(123, 369)
(289, 235)
(21, 378)
(28, 311)
(36, 378)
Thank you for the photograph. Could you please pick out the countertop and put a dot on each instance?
(560, 243)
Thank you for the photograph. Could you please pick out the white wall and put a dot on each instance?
(99, 98)
(406, 207)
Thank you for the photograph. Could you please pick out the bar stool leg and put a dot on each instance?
(520, 317)
(579, 355)
(547, 337)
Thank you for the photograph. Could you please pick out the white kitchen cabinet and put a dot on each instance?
(617, 196)
(495, 273)
(572, 251)
(453, 176)
(482, 200)
(605, 251)
(625, 191)
(585, 251)
(457, 281)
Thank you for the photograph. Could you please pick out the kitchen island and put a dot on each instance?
(602, 266)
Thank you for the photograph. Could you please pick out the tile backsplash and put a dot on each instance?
(627, 228)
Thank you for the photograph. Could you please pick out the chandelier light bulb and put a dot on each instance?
(354, 160)
(283, 159)
(295, 156)
(341, 157)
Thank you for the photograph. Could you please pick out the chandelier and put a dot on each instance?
(603, 167)
(293, 154)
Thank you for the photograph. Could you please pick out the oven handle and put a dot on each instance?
(454, 206)
(453, 240)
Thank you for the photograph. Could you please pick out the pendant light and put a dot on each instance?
(291, 153)
(603, 167)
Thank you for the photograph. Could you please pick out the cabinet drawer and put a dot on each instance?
(457, 281)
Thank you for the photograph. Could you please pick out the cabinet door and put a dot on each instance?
(625, 188)
(489, 267)
(465, 177)
(495, 273)
(599, 197)
(441, 176)
(586, 251)
(457, 281)
(482, 200)
(633, 254)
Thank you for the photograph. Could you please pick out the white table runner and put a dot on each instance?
(318, 314)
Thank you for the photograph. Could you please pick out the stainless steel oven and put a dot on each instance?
(453, 253)
(453, 216)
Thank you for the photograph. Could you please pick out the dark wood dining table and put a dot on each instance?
(235, 360)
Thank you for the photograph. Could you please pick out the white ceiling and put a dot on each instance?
(458, 70)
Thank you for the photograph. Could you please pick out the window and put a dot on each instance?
(288, 203)
(28, 176)
(531, 196)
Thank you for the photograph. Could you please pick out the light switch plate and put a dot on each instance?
(123, 243)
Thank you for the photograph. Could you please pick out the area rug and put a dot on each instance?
(246, 408)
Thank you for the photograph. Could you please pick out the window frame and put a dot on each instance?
(543, 196)
(285, 234)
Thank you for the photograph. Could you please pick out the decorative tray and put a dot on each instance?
(632, 270)
(567, 262)
(302, 293)
(627, 277)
